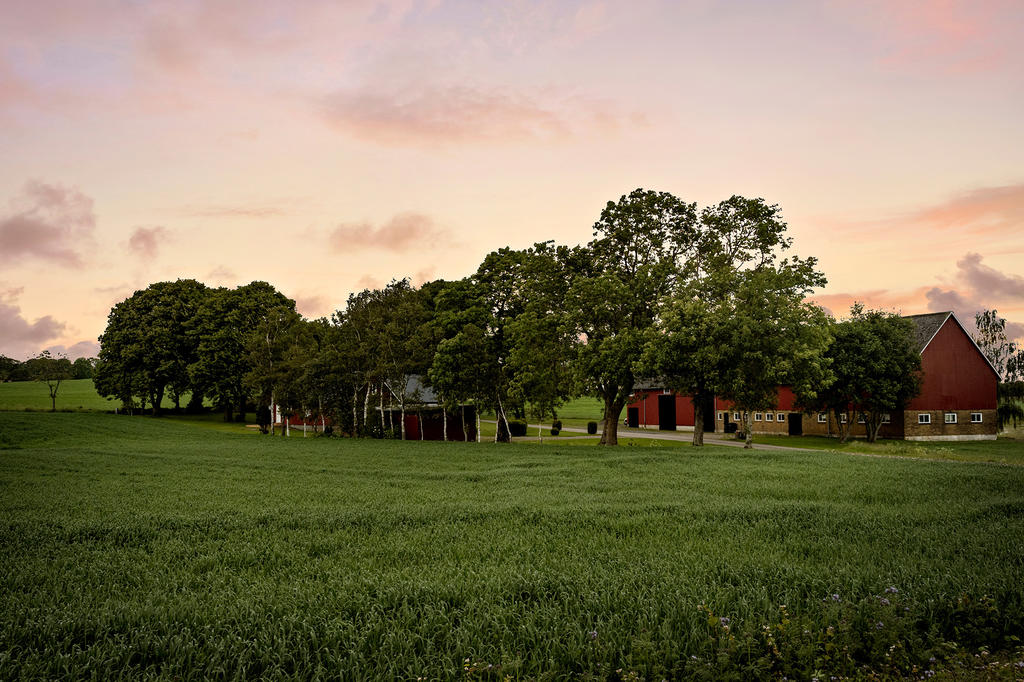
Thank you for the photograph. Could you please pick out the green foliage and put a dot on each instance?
(51, 371)
(1005, 356)
(151, 548)
(517, 427)
(877, 369)
(632, 262)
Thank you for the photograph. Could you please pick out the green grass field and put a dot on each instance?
(75, 395)
(140, 547)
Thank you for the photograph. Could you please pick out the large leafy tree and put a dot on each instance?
(772, 337)
(717, 301)
(227, 328)
(877, 369)
(149, 344)
(632, 262)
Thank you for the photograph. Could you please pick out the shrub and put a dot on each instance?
(556, 427)
(591, 428)
(517, 427)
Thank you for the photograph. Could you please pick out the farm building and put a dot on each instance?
(424, 416)
(957, 399)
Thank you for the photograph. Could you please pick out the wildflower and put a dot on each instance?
(891, 590)
(593, 635)
(835, 597)
(883, 601)
(879, 625)
(929, 673)
(723, 621)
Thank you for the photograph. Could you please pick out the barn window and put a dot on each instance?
(886, 418)
(757, 416)
(924, 418)
(975, 417)
(951, 417)
(721, 416)
(860, 419)
(735, 416)
(822, 418)
(842, 418)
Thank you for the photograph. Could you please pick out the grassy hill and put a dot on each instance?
(139, 546)
(74, 395)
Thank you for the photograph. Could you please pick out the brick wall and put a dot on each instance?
(963, 429)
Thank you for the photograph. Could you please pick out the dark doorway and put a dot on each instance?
(667, 412)
(796, 424)
(633, 417)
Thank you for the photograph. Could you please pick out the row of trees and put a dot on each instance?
(708, 299)
(29, 370)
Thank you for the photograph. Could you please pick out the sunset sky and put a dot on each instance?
(330, 146)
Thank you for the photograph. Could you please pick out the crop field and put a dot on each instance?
(154, 548)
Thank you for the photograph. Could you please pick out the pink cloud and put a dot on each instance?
(312, 306)
(47, 223)
(404, 232)
(954, 36)
(82, 349)
(20, 338)
(145, 241)
(989, 210)
(444, 115)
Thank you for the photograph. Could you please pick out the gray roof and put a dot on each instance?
(926, 326)
(416, 391)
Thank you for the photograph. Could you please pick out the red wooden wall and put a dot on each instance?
(956, 374)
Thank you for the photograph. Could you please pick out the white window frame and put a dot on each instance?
(924, 418)
(842, 418)
(822, 418)
(886, 418)
(860, 419)
(721, 416)
(735, 416)
(757, 416)
(980, 417)
(950, 418)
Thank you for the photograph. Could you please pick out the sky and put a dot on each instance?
(326, 147)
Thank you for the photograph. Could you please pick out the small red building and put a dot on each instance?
(957, 399)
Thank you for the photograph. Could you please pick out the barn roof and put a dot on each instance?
(415, 391)
(926, 326)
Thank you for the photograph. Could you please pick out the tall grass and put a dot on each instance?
(152, 548)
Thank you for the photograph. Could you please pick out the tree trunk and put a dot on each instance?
(476, 411)
(465, 435)
(419, 422)
(698, 418)
(366, 406)
(355, 410)
(382, 427)
(748, 433)
(403, 419)
(540, 432)
(274, 411)
(610, 428)
(444, 419)
(503, 417)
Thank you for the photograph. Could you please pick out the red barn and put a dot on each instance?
(957, 399)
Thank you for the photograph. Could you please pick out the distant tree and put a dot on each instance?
(7, 367)
(1003, 353)
(50, 370)
(82, 368)
(632, 262)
